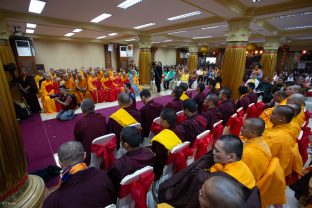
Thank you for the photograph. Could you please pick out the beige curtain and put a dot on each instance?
(12, 157)
(192, 62)
(145, 66)
(268, 63)
(233, 68)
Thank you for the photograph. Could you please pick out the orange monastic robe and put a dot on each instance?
(110, 92)
(257, 156)
(96, 89)
(82, 91)
(70, 86)
(47, 89)
(117, 82)
(283, 146)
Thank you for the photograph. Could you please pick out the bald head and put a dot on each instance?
(296, 99)
(70, 153)
(296, 107)
(253, 127)
(87, 106)
(123, 99)
(293, 89)
(279, 96)
(282, 114)
(220, 192)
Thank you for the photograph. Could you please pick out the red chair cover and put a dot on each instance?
(307, 116)
(202, 146)
(309, 94)
(303, 144)
(260, 107)
(156, 128)
(240, 113)
(179, 159)
(252, 112)
(138, 189)
(105, 151)
(180, 118)
(217, 132)
(235, 124)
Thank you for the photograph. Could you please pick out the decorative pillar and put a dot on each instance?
(145, 59)
(269, 57)
(17, 189)
(285, 49)
(192, 61)
(233, 66)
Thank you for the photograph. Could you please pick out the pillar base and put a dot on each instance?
(31, 195)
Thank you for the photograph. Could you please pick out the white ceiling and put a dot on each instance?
(78, 13)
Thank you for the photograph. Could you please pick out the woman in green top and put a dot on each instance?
(168, 76)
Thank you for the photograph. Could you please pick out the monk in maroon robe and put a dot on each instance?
(149, 111)
(176, 104)
(226, 106)
(137, 157)
(200, 97)
(29, 91)
(213, 114)
(124, 103)
(243, 100)
(80, 186)
(89, 127)
(194, 125)
(251, 94)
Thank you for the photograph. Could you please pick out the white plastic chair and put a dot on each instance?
(137, 125)
(300, 135)
(226, 129)
(151, 134)
(179, 113)
(240, 111)
(198, 137)
(127, 201)
(95, 161)
(217, 123)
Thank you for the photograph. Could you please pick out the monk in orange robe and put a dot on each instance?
(69, 84)
(110, 92)
(257, 156)
(282, 143)
(124, 78)
(300, 100)
(82, 91)
(117, 82)
(96, 89)
(47, 89)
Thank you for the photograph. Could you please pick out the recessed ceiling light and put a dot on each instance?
(101, 37)
(298, 27)
(30, 31)
(202, 37)
(132, 39)
(30, 25)
(101, 18)
(128, 3)
(293, 15)
(177, 32)
(213, 27)
(184, 15)
(255, 1)
(36, 6)
(69, 34)
(112, 34)
(145, 25)
(256, 41)
(165, 41)
(77, 30)
(304, 38)
(155, 42)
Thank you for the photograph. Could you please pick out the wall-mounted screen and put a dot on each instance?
(23, 48)
(211, 60)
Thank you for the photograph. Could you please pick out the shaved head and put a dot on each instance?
(296, 107)
(296, 99)
(220, 192)
(255, 125)
(283, 111)
(123, 98)
(293, 89)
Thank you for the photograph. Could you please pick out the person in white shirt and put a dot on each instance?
(253, 79)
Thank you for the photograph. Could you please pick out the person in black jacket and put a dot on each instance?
(158, 75)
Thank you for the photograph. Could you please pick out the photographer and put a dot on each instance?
(69, 104)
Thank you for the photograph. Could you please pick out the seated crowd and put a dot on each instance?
(243, 171)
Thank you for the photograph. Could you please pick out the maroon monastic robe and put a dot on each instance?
(199, 99)
(175, 104)
(243, 102)
(149, 112)
(227, 109)
(212, 115)
(253, 97)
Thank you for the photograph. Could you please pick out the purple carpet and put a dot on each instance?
(42, 139)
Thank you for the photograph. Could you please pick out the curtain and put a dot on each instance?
(6, 54)
(233, 68)
(145, 66)
(192, 62)
(12, 157)
(268, 63)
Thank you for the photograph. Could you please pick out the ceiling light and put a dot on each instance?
(77, 30)
(256, 41)
(36, 6)
(128, 3)
(30, 31)
(112, 34)
(101, 37)
(256, 1)
(165, 41)
(101, 18)
(30, 25)
(133, 39)
(69, 34)
(155, 42)
(142, 26)
(184, 15)
(304, 38)
(213, 27)
(177, 32)
(202, 37)
(292, 15)
(298, 27)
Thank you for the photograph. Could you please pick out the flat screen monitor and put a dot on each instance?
(23, 48)
(211, 60)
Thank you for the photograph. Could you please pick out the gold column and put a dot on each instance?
(17, 189)
(269, 57)
(145, 60)
(192, 61)
(233, 66)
